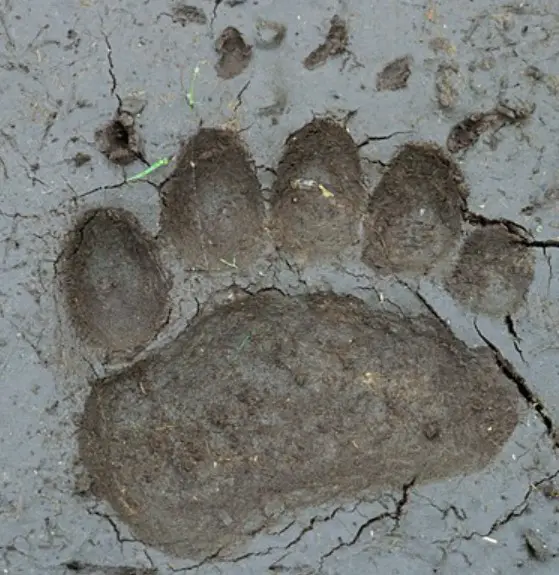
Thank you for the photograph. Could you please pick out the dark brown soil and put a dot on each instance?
(466, 133)
(212, 207)
(234, 53)
(310, 222)
(395, 75)
(114, 288)
(414, 215)
(119, 141)
(494, 271)
(274, 401)
(335, 44)
(184, 14)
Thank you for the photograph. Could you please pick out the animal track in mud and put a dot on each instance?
(270, 399)
(494, 271)
(212, 207)
(414, 215)
(116, 291)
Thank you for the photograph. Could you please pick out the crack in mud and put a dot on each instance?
(111, 70)
(394, 515)
(509, 371)
(517, 511)
(370, 139)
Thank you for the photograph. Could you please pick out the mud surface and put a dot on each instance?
(112, 283)
(318, 196)
(318, 333)
(212, 208)
(414, 214)
(288, 402)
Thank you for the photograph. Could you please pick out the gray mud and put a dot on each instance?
(320, 338)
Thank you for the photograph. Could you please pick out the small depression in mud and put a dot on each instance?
(494, 271)
(317, 198)
(293, 401)
(234, 53)
(212, 208)
(119, 140)
(414, 216)
(114, 288)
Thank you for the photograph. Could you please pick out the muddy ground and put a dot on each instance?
(320, 337)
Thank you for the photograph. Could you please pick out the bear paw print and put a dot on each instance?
(296, 399)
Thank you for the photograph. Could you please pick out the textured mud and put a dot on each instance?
(494, 271)
(334, 297)
(414, 214)
(291, 402)
(213, 212)
(318, 195)
(112, 282)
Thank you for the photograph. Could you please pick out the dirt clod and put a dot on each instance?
(395, 75)
(336, 43)
(446, 84)
(536, 545)
(234, 53)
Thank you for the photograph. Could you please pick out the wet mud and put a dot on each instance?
(318, 196)
(212, 211)
(286, 401)
(414, 214)
(494, 271)
(112, 283)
